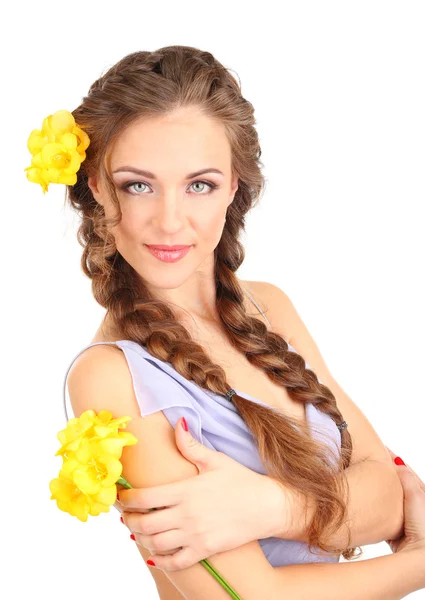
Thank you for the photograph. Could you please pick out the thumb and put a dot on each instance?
(204, 458)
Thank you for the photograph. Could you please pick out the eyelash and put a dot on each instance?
(210, 184)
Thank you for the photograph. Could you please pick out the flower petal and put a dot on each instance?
(113, 469)
(34, 175)
(52, 174)
(35, 141)
(80, 508)
(74, 163)
(120, 422)
(96, 509)
(104, 416)
(102, 430)
(69, 465)
(83, 139)
(62, 121)
(112, 446)
(85, 451)
(85, 483)
(37, 161)
(69, 140)
(47, 131)
(107, 495)
(70, 179)
(51, 150)
(61, 488)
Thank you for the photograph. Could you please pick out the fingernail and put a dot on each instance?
(399, 461)
(184, 424)
(118, 496)
(122, 520)
(150, 562)
(132, 536)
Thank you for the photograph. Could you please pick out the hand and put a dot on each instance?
(225, 506)
(414, 510)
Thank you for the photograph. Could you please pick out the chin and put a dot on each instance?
(166, 281)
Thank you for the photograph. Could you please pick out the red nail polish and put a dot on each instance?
(132, 536)
(185, 427)
(122, 520)
(150, 562)
(399, 461)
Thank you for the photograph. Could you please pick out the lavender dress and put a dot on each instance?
(215, 422)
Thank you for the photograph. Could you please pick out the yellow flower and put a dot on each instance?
(98, 427)
(91, 451)
(57, 150)
(72, 500)
(94, 468)
(86, 485)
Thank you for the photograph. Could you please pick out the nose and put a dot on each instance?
(169, 213)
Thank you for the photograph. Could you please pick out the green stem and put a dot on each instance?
(206, 563)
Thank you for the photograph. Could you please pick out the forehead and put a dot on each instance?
(183, 140)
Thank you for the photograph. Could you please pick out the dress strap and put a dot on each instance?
(257, 305)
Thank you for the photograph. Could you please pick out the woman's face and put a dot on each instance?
(170, 205)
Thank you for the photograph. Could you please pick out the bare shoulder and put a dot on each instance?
(100, 379)
(286, 320)
(94, 378)
(275, 303)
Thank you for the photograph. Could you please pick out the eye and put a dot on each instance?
(212, 186)
(129, 185)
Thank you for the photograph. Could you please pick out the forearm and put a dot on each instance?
(374, 509)
(389, 577)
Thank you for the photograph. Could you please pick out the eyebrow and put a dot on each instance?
(151, 175)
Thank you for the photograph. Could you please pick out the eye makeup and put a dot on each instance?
(125, 187)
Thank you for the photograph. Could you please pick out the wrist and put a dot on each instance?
(271, 508)
(283, 507)
(292, 513)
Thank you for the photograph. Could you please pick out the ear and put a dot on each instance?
(94, 187)
(234, 188)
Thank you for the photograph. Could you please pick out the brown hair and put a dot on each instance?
(147, 84)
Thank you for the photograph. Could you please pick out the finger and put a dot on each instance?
(391, 453)
(169, 494)
(409, 482)
(153, 522)
(417, 478)
(183, 559)
(400, 468)
(168, 541)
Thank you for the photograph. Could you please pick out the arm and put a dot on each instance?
(389, 577)
(101, 380)
(374, 511)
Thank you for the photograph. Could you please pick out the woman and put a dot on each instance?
(174, 160)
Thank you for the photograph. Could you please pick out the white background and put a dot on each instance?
(339, 93)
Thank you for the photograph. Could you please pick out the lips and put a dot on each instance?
(165, 254)
(169, 248)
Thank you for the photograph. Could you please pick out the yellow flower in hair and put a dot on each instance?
(57, 150)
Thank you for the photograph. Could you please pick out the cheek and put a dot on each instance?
(211, 224)
(129, 230)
